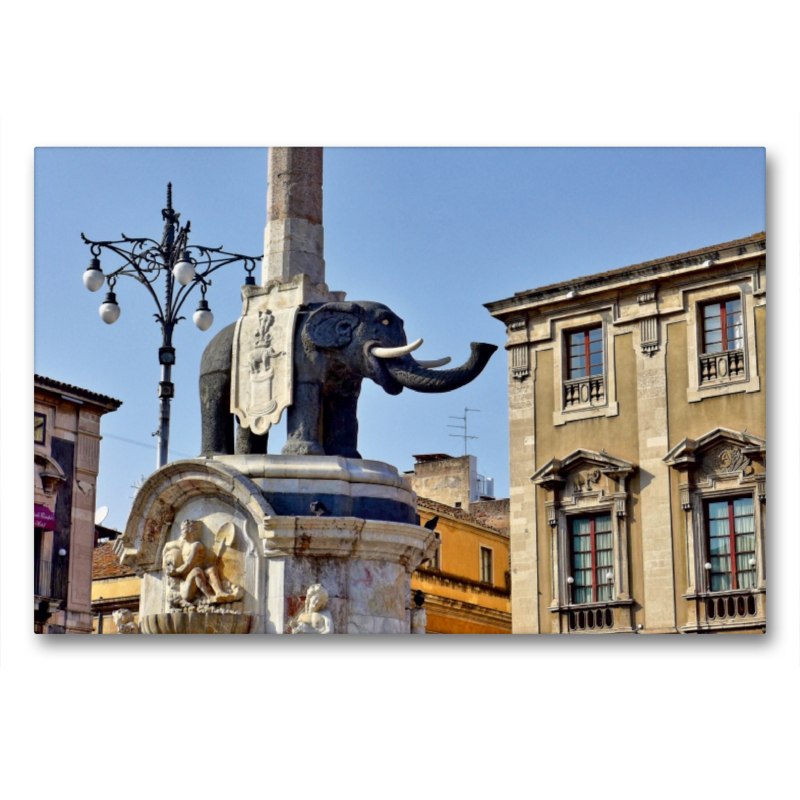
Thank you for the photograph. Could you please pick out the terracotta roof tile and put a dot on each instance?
(458, 513)
(105, 563)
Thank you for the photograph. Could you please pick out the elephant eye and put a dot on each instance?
(385, 322)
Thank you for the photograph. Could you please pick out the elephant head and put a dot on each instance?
(369, 338)
(336, 346)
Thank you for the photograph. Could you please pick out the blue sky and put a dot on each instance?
(433, 233)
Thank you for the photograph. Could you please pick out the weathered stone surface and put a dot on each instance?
(295, 184)
(259, 566)
(294, 238)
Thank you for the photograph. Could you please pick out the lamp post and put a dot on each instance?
(187, 265)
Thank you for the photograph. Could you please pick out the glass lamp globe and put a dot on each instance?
(183, 270)
(109, 311)
(203, 317)
(93, 278)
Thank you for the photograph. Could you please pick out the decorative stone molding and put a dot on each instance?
(592, 396)
(731, 371)
(348, 537)
(648, 335)
(520, 362)
(166, 491)
(583, 483)
(646, 297)
(49, 475)
(718, 465)
(516, 324)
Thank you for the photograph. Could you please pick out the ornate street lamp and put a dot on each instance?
(182, 263)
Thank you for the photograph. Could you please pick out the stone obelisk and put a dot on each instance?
(294, 237)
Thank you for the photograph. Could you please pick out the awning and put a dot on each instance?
(43, 517)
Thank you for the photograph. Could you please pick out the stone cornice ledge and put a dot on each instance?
(348, 537)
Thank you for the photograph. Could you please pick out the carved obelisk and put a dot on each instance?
(293, 239)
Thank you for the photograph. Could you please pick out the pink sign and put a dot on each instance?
(43, 517)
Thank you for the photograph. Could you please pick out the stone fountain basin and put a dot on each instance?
(196, 622)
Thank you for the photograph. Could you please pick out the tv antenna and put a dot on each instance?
(463, 427)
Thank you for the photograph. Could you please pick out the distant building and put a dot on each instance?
(638, 446)
(467, 584)
(66, 455)
(114, 586)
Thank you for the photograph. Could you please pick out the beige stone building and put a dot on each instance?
(66, 456)
(637, 427)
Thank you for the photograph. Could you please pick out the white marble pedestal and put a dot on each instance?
(362, 562)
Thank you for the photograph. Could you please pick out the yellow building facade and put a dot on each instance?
(638, 447)
(466, 587)
(114, 587)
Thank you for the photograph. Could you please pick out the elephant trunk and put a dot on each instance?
(411, 375)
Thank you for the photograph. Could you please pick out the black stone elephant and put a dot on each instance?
(336, 346)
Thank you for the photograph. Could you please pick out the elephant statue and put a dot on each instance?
(336, 345)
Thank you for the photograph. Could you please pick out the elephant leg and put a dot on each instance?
(340, 425)
(217, 421)
(303, 422)
(248, 443)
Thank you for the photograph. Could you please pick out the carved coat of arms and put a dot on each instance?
(262, 360)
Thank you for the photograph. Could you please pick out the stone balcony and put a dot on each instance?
(584, 392)
(716, 368)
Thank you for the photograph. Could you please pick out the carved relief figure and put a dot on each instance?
(583, 480)
(261, 371)
(124, 621)
(725, 458)
(189, 569)
(314, 618)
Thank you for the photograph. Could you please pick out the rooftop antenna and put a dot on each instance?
(463, 427)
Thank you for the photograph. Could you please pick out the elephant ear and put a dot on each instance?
(332, 325)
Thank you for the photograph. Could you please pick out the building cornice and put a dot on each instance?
(720, 255)
(74, 393)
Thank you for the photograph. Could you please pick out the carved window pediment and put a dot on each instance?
(722, 482)
(588, 490)
(582, 471)
(721, 453)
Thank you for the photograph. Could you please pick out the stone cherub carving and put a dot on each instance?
(189, 568)
(124, 621)
(314, 618)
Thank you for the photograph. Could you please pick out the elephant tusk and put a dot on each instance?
(394, 352)
(439, 362)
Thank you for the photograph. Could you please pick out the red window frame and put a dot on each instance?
(733, 553)
(581, 347)
(578, 588)
(730, 318)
